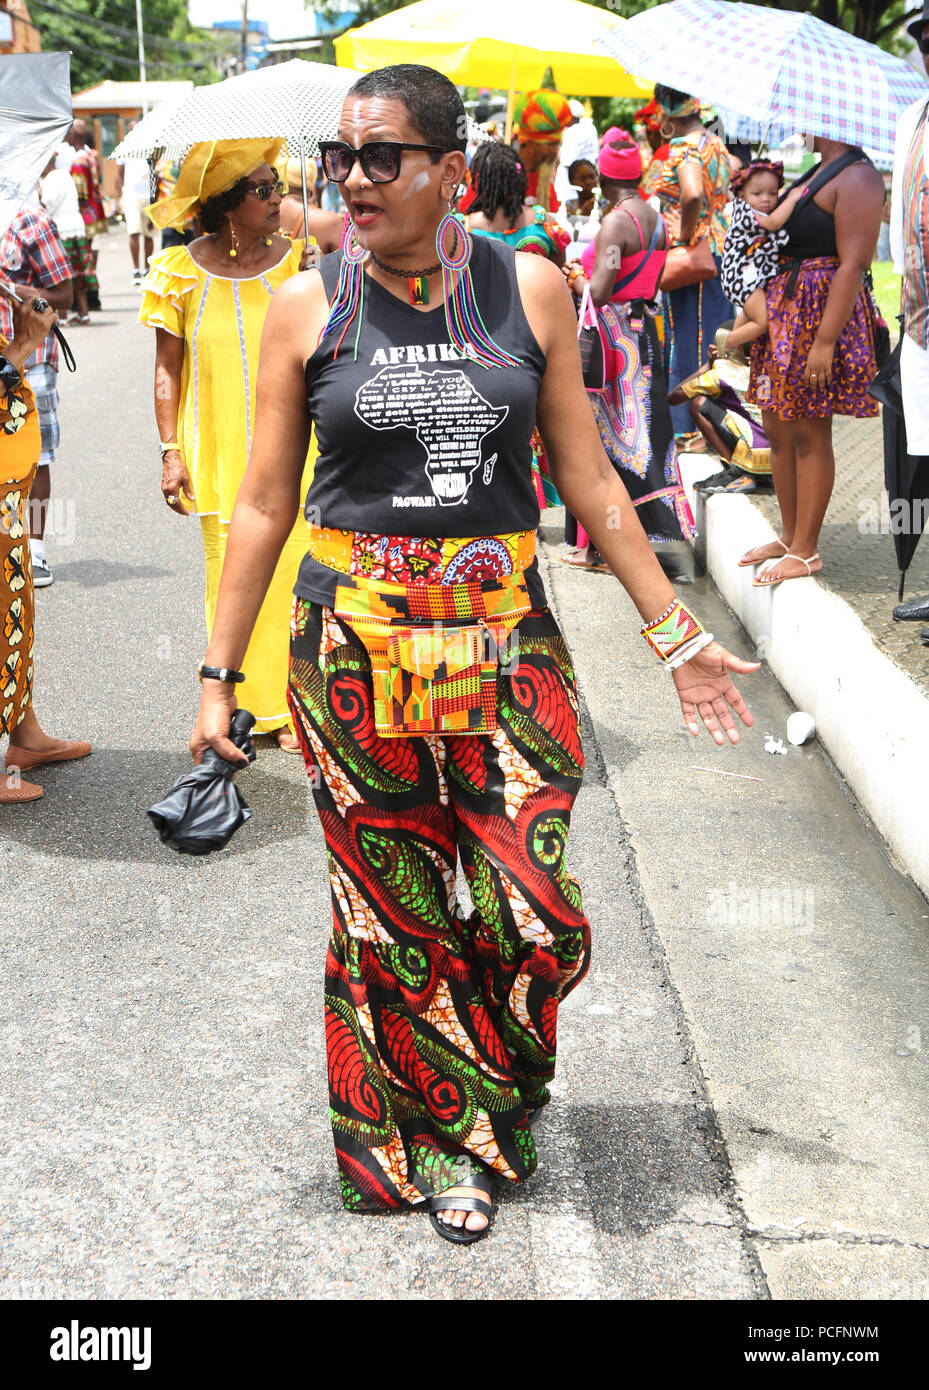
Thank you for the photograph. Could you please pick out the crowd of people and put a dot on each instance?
(397, 634)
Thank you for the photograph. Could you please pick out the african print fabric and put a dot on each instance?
(724, 384)
(751, 256)
(440, 1028)
(707, 150)
(19, 431)
(793, 321)
(80, 251)
(634, 421)
(434, 649)
(421, 559)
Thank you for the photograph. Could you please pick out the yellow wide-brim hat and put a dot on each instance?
(212, 167)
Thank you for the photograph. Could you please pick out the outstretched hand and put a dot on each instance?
(707, 692)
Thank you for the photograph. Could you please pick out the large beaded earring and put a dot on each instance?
(466, 328)
(348, 300)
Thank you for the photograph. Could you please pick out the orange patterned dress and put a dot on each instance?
(20, 443)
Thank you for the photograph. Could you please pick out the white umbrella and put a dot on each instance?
(298, 101)
(779, 66)
(35, 116)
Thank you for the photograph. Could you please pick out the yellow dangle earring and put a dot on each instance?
(234, 249)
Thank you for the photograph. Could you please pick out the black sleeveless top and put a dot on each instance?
(810, 229)
(414, 438)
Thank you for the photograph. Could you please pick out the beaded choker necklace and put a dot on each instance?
(416, 279)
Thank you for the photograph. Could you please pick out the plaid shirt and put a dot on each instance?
(31, 253)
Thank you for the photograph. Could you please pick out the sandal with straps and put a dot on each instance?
(460, 1235)
(746, 564)
(759, 582)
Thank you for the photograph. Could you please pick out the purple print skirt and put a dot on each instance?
(796, 304)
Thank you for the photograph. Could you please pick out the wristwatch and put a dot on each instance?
(220, 673)
(169, 447)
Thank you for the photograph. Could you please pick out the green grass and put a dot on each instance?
(887, 292)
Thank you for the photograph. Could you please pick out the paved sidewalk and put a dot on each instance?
(859, 565)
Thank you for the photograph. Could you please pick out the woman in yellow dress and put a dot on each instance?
(207, 303)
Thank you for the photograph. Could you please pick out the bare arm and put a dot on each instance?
(774, 221)
(60, 296)
(269, 496)
(858, 205)
(169, 365)
(679, 396)
(593, 491)
(690, 178)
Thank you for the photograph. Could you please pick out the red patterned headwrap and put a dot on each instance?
(649, 115)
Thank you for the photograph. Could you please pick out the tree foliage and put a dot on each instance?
(102, 38)
(878, 21)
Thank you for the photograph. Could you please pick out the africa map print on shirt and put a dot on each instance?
(450, 418)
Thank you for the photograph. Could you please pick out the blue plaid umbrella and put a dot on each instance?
(776, 66)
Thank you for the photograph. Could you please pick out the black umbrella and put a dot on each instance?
(204, 808)
(906, 476)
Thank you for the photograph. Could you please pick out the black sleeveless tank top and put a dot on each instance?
(810, 229)
(416, 439)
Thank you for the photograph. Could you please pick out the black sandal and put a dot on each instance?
(460, 1235)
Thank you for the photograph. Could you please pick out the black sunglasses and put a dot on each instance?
(380, 159)
(264, 190)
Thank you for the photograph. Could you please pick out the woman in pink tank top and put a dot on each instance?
(618, 276)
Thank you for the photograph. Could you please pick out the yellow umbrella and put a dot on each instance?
(497, 43)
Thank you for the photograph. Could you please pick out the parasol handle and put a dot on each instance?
(306, 206)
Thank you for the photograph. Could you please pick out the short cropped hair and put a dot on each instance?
(432, 101)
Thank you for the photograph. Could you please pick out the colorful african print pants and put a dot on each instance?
(441, 1028)
(83, 262)
(17, 602)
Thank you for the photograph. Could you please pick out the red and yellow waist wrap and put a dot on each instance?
(434, 645)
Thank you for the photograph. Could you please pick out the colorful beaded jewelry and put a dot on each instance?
(465, 326)
(348, 299)
(466, 329)
(676, 636)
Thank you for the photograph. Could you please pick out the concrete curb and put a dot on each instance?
(869, 715)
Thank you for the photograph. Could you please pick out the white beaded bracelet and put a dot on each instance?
(696, 644)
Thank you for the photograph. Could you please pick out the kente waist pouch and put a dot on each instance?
(435, 649)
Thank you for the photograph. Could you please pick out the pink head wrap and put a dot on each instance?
(620, 157)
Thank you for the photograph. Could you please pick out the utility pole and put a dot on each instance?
(142, 74)
(243, 41)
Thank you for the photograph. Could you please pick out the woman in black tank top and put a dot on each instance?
(431, 689)
(818, 358)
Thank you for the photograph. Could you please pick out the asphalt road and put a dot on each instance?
(741, 1102)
